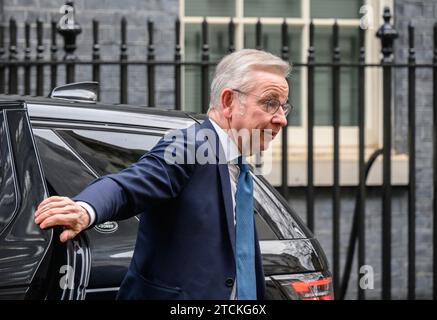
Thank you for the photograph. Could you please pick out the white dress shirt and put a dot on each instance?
(231, 154)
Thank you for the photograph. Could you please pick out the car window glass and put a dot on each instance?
(65, 173)
(8, 194)
(265, 231)
(108, 151)
(277, 215)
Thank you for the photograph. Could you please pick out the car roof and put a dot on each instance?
(70, 110)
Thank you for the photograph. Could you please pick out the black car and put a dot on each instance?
(57, 146)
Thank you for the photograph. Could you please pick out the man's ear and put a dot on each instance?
(227, 98)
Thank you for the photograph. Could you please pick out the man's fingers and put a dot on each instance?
(62, 211)
(54, 204)
(54, 211)
(69, 221)
(44, 202)
(50, 199)
(51, 202)
(67, 234)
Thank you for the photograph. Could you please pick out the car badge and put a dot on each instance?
(107, 227)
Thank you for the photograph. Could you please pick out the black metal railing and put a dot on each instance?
(11, 80)
(434, 136)
(411, 166)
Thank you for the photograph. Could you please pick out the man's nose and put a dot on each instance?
(280, 118)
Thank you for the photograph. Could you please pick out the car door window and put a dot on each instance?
(109, 151)
(8, 192)
(265, 231)
(66, 174)
(284, 222)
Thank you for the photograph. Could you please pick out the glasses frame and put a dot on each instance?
(287, 107)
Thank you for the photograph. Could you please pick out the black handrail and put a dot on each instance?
(354, 232)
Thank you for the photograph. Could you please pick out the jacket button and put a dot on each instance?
(229, 282)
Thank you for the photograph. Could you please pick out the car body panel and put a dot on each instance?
(24, 247)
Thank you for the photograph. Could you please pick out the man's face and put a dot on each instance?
(249, 110)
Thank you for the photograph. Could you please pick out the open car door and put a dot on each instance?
(25, 249)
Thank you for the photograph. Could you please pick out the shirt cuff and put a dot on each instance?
(90, 211)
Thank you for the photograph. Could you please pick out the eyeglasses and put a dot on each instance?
(271, 106)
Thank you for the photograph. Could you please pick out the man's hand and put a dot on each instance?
(62, 211)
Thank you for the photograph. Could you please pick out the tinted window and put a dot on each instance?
(279, 217)
(8, 195)
(108, 152)
(65, 173)
(265, 231)
(28, 172)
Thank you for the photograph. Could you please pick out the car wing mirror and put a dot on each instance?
(86, 91)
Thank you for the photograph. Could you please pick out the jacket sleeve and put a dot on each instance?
(149, 181)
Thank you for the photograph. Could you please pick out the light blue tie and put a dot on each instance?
(245, 243)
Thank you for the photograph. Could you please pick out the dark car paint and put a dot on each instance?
(24, 247)
(102, 258)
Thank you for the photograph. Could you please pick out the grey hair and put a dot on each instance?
(233, 71)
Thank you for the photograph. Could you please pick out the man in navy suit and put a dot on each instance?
(196, 237)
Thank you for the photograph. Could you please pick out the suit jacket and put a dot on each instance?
(185, 246)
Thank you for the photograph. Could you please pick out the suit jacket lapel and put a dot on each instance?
(225, 183)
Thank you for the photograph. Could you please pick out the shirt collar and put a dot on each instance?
(229, 147)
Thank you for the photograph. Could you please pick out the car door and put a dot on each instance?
(25, 249)
(98, 151)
